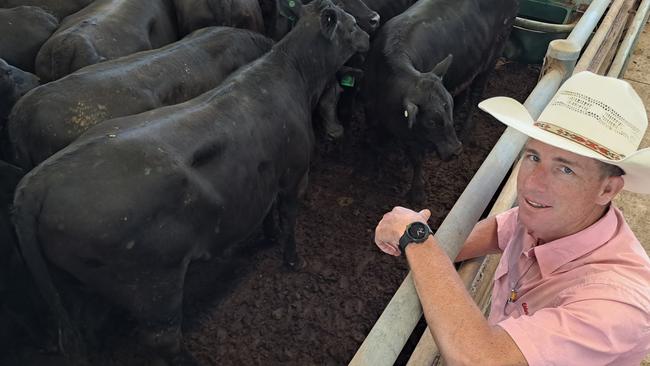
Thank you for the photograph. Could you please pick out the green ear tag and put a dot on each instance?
(348, 81)
(291, 3)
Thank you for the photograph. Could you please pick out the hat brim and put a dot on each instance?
(513, 114)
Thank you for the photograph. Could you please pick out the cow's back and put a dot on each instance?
(104, 30)
(58, 8)
(196, 14)
(24, 29)
(51, 117)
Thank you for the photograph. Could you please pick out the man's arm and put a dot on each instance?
(457, 325)
(481, 241)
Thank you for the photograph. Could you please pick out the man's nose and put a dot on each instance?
(537, 178)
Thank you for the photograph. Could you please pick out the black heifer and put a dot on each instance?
(24, 29)
(195, 14)
(104, 30)
(405, 91)
(58, 8)
(388, 9)
(279, 23)
(126, 207)
(52, 116)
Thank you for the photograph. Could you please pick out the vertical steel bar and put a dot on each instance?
(629, 42)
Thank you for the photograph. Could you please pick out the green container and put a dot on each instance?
(529, 46)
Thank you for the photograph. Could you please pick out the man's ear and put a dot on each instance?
(410, 113)
(290, 9)
(610, 188)
(329, 21)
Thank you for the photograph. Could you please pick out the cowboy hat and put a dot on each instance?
(591, 115)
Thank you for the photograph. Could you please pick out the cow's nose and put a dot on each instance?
(374, 21)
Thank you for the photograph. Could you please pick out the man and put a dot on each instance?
(573, 284)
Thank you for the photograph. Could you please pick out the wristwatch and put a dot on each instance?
(416, 232)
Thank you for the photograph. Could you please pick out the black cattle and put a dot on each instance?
(195, 14)
(279, 23)
(14, 83)
(52, 116)
(104, 30)
(388, 9)
(58, 8)
(410, 77)
(126, 207)
(24, 29)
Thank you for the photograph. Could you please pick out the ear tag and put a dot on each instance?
(347, 81)
(406, 113)
(291, 3)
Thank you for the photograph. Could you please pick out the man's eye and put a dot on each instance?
(566, 170)
(532, 157)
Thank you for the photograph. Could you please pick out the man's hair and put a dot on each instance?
(609, 170)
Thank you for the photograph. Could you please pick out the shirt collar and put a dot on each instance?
(556, 253)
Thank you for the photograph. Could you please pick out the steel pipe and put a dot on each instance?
(629, 42)
(588, 22)
(608, 32)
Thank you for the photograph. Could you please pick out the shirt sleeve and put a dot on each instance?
(506, 224)
(586, 330)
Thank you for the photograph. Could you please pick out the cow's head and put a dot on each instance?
(428, 111)
(367, 18)
(336, 25)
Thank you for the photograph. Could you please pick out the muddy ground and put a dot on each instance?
(250, 310)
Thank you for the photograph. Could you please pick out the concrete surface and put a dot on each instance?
(636, 207)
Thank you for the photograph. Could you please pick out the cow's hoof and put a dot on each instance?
(296, 264)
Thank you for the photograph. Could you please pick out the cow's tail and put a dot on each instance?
(26, 208)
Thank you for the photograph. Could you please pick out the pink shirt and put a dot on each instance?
(581, 300)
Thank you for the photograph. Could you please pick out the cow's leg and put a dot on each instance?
(270, 226)
(416, 195)
(327, 109)
(156, 302)
(288, 209)
(475, 93)
(460, 110)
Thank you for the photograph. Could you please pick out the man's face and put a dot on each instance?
(559, 192)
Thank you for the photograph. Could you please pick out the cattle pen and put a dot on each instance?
(606, 52)
(350, 303)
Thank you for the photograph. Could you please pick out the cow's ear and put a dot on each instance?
(329, 20)
(290, 9)
(441, 68)
(410, 113)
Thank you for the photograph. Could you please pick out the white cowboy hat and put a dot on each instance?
(591, 115)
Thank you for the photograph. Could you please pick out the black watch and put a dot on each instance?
(416, 232)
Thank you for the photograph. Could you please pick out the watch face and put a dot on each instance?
(417, 230)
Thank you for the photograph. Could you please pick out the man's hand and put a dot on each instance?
(392, 226)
